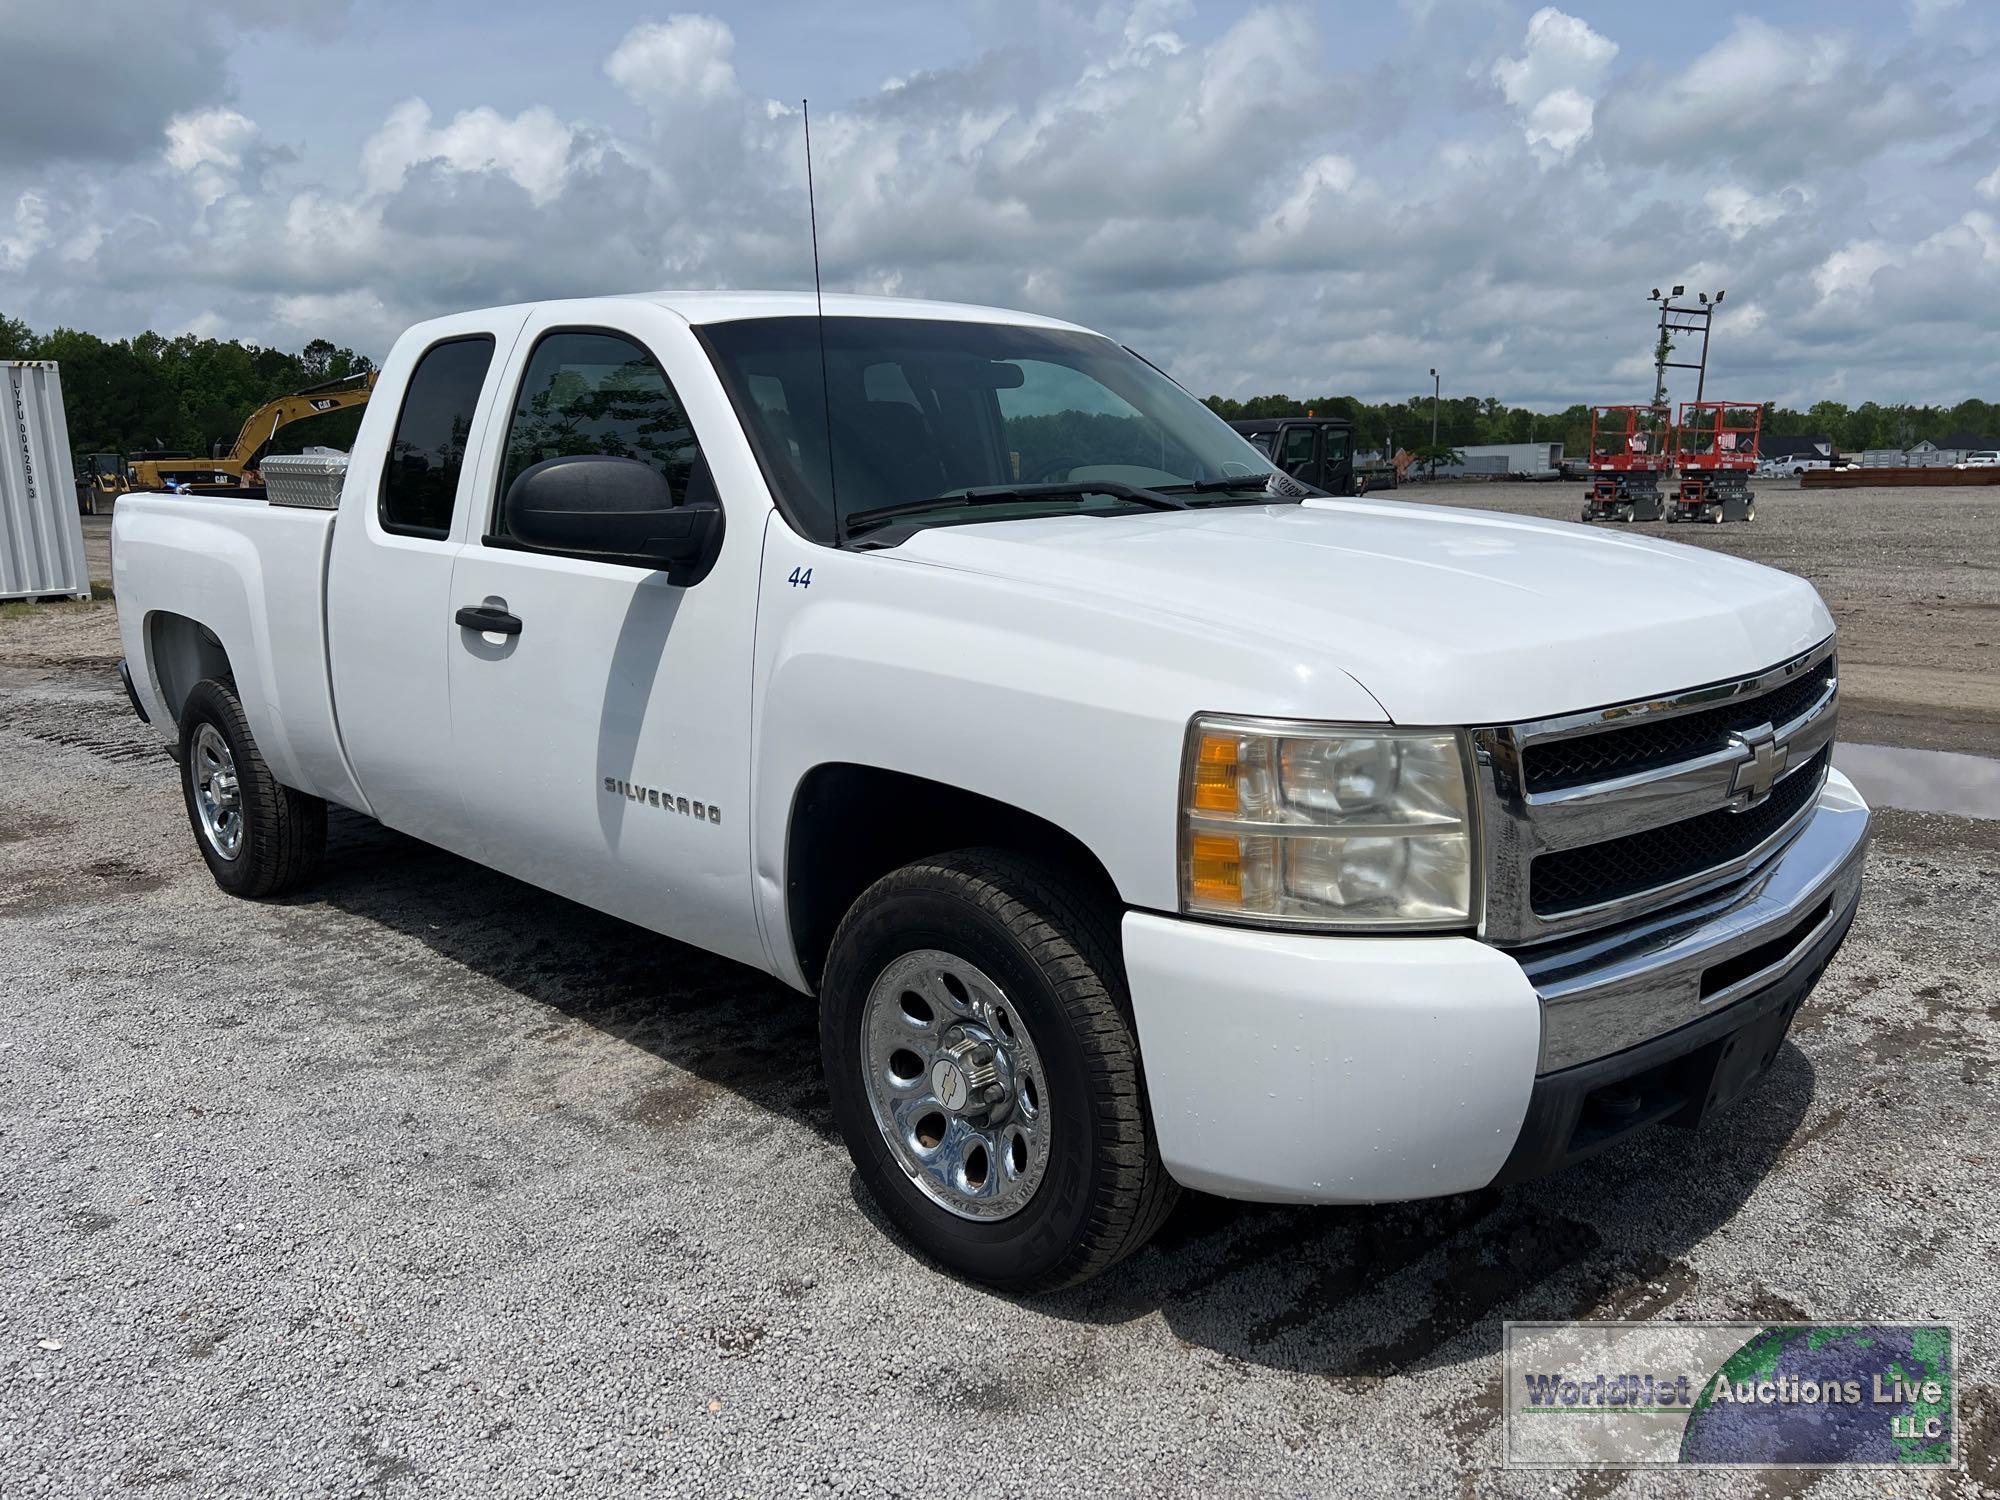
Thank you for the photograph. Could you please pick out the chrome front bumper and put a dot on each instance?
(1610, 990)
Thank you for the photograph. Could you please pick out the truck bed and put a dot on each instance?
(255, 576)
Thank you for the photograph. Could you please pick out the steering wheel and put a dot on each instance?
(1046, 473)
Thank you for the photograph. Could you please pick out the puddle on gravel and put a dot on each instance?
(1941, 781)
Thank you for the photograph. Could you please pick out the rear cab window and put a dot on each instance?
(419, 489)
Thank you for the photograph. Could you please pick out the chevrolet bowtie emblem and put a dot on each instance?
(1761, 766)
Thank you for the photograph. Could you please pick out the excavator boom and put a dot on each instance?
(256, 434)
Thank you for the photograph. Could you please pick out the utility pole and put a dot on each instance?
(1436, 386)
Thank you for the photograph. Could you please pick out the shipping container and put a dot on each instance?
(41, 532)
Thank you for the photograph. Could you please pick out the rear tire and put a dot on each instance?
(257, 837)
(1039, 958)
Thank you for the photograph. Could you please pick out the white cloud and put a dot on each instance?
(532, 148)
(1989, 185)
(208, 147)
(1737, 211)
(1552, 84)
(684, 59)
(210, 137)
(1744, 319)
(359, 314)
(1327, 178)
(1849, 270)
(30, 231)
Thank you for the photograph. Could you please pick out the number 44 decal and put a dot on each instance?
(802, 578)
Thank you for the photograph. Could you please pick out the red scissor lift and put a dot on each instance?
(1715, 447)
(1631, 449)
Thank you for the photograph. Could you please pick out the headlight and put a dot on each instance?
(1311, 826)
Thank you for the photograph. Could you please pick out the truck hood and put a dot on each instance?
(1445, 616)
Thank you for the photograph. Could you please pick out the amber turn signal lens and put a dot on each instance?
(1215, 767)
(1216, 869)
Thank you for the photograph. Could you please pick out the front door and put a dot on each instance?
(605, 741)
(1298, 452)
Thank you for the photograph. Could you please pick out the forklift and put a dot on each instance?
(1631, 448)
(1314, 450)
(1715, 445)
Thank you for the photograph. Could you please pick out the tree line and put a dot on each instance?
(188, 393)
(182, 394)
(1465, 420)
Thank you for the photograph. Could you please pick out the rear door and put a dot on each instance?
(605, 746)
(389, 576)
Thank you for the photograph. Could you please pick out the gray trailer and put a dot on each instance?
(41, 533)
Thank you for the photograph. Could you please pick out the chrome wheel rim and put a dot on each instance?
(956, 1085)
(218, 798)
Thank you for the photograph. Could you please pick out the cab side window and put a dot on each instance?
(427, 453)
(1297, 457)
(590, 392)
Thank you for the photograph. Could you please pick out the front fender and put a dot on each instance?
(1069, 707)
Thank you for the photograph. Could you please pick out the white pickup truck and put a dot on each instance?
(1136, 820)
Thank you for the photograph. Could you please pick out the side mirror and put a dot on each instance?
(619, 510)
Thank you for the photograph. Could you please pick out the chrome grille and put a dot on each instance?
(1596, 817)
(1661, 742)
(1573, 879)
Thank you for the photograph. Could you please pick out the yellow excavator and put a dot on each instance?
(238, 467)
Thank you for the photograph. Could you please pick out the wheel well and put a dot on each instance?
(853, 824)
(183, 652)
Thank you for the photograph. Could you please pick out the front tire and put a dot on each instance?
(258, 838)
(982, 1066)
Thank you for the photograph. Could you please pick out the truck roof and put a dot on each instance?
(729, 307)
(1271, 424)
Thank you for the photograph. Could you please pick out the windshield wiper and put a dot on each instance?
(1226, 482)
(1000, 494)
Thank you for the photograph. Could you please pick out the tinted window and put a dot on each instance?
(1297, 457)
(597, 393)
(420, 480)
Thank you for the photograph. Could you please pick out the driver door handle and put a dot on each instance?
(485, 617)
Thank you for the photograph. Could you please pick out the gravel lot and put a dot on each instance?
(426, 1181)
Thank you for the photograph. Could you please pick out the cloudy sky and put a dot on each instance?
(1301, 197)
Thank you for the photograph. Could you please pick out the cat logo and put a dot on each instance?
(652, 796)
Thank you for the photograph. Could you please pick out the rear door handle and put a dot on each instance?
(486, 617)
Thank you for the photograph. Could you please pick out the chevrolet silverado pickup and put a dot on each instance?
(1137, 818)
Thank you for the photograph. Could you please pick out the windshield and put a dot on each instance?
(924, 409)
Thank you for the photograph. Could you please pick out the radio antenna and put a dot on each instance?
(819, 306)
